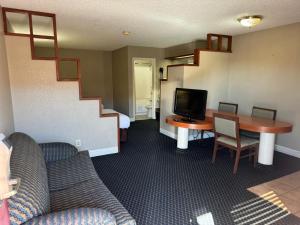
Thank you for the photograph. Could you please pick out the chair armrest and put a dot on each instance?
(58, 151)
(75, 216)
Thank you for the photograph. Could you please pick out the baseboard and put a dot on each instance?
(168, 133)
(103, 151)
(288, 151)
(207, 134)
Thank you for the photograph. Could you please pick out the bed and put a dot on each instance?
(124, 123)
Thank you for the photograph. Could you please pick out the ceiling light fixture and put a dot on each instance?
(125, 33)
(250, 21)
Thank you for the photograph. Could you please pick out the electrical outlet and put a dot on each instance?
(78, 143)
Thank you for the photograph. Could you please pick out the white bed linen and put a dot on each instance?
(123, 119)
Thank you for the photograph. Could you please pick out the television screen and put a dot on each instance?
(190, 103)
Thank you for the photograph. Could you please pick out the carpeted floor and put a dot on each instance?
(159, 186)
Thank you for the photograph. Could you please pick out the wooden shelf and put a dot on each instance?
(185, 56)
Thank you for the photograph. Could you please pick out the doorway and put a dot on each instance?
(144, 88)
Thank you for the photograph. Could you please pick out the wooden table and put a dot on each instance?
(267, 129)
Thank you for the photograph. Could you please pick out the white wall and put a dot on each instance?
(49, 110)
(265, 71)
(143, 81)
(6, 112)
(211, 75)
(167, 92)
(143, 87)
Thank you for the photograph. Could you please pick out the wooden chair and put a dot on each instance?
(224, 107)
(228, 107)
(258, 112)
(226, 129)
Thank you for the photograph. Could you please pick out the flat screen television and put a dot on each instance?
(190, 103)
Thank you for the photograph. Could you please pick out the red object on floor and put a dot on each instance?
(4, 214)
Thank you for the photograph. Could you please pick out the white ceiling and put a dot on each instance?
(98, 24)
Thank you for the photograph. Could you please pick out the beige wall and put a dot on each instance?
(265, 71)
(49, 110)
(120, 80)
(6, 112)
(96, 72)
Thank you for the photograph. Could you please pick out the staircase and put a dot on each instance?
(52, 38)
(215, 43)
(56, 56)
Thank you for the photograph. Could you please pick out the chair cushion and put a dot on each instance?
(27, 162)
(244, 141)
(90, 194)
(64, 174)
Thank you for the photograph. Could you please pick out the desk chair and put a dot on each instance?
(263, 113)
(228, 107)
(227, 134)
(224, 107)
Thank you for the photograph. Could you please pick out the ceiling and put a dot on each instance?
(98, 24)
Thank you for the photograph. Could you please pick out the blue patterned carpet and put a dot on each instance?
(159, 186)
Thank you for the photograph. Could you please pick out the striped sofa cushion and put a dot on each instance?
(63, 174)
(79, 216)
(90, 194)
(27, 162)
(58, 151)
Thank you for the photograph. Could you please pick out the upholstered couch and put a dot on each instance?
(59, 185)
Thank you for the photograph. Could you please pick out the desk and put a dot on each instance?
(267, 129)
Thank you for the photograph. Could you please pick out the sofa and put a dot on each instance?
(59, 185)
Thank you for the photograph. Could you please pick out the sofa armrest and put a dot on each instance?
(75, 216)
(58, 151)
